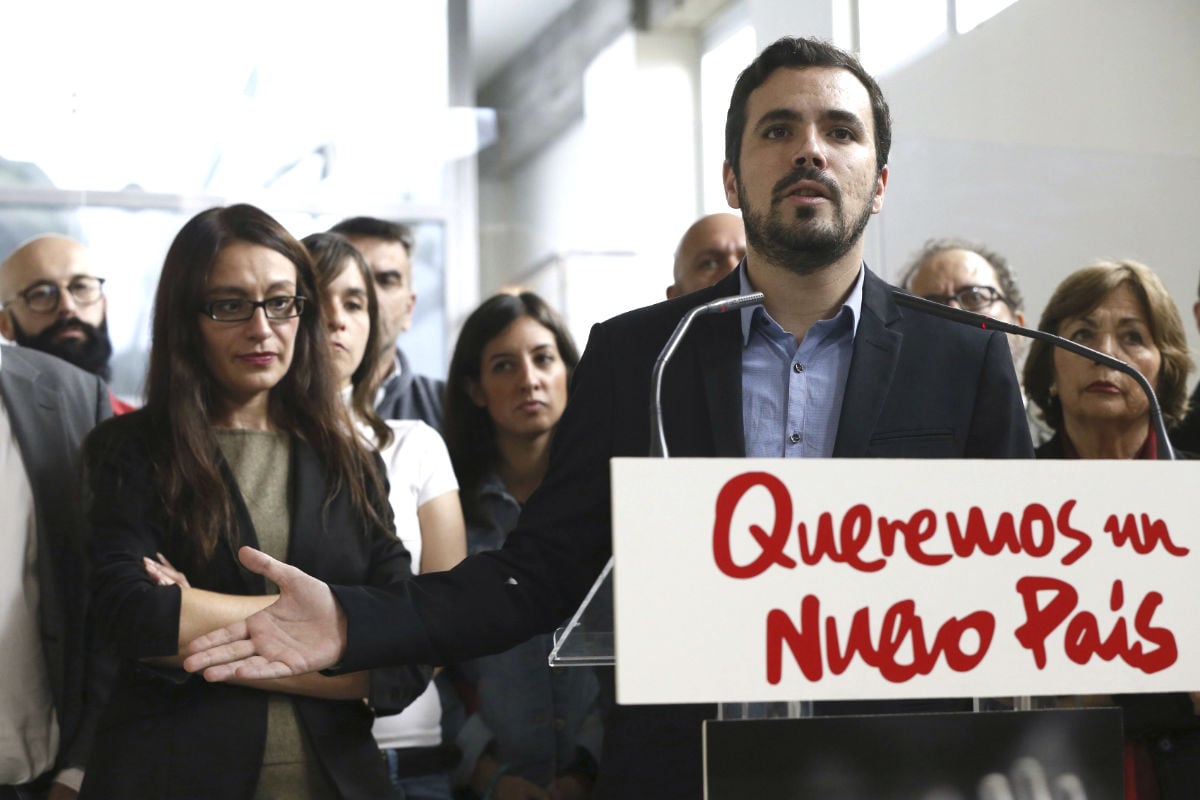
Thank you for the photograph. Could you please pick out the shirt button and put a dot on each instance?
(797, 367)
(794, 438)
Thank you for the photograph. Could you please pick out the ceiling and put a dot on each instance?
(502, 28)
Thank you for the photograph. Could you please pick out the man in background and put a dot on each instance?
(970, 276)
(47, 407)
(966, 275)
(709, 250)
(1187, 435)
(52, 300)
(387, 247)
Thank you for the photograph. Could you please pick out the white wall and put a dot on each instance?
(1057, 132)
(623, 179)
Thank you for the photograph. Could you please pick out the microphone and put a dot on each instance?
(989, 323)
(658, 439)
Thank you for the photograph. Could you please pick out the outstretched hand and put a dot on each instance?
(303, 631)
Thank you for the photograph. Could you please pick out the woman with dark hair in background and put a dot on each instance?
(1122, 308)
(531, 732)
(243, 440)
(422, 490)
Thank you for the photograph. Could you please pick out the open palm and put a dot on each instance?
(303, 631)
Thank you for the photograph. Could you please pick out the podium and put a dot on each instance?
(742, 581)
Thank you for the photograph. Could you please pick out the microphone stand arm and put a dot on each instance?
(658, 439)
(988, 323)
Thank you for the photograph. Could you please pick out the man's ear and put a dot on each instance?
(672, 292)
(729, 179)
(406, 324)
(880, 190)
(6, 325)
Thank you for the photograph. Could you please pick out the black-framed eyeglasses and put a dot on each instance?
(239, 309)
(970, 298)
(44, 296)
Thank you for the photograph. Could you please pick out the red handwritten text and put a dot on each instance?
(1152, 533)
(1035, 534)
(901, 627)
(1082, 637)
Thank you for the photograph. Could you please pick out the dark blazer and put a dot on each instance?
(1053, 448)
(1186, 434)
(410, 396)
(918, 387)
(170, 734)
(51, 407)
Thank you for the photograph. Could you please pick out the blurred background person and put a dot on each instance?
(968, 275)
(53, 301)
(1120, 308)
(710, 249)
(1186, 434)
(243, 440)
(387, 247)
(422, 489)
(533, 731)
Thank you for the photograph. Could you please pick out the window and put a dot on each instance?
(969, 13)
(891, 34)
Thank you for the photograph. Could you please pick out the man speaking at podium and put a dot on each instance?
(829, 366)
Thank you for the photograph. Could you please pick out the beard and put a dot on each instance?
(91, 353)
(801, 244)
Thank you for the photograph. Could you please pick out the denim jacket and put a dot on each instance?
(536, 720)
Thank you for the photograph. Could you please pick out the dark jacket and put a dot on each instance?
(918, 387)
(170, 734)
(407, 395)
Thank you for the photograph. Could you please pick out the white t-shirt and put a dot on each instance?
(418, 470)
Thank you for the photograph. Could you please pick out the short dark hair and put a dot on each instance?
(470, 434)
(377, 229)
(1008, 281)
(1082, 291)
(796, 53)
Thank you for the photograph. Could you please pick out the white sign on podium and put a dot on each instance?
(756, 580)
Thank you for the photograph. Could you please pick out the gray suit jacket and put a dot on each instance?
(52, 406)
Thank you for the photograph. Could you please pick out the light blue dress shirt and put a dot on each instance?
(792, 395)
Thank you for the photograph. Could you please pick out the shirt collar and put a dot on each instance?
(853, 302)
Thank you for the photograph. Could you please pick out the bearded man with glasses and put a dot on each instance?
(51, 300)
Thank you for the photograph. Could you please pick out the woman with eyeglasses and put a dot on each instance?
(422, 489)
(243, 440)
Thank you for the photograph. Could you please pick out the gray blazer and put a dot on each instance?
(52, 406)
